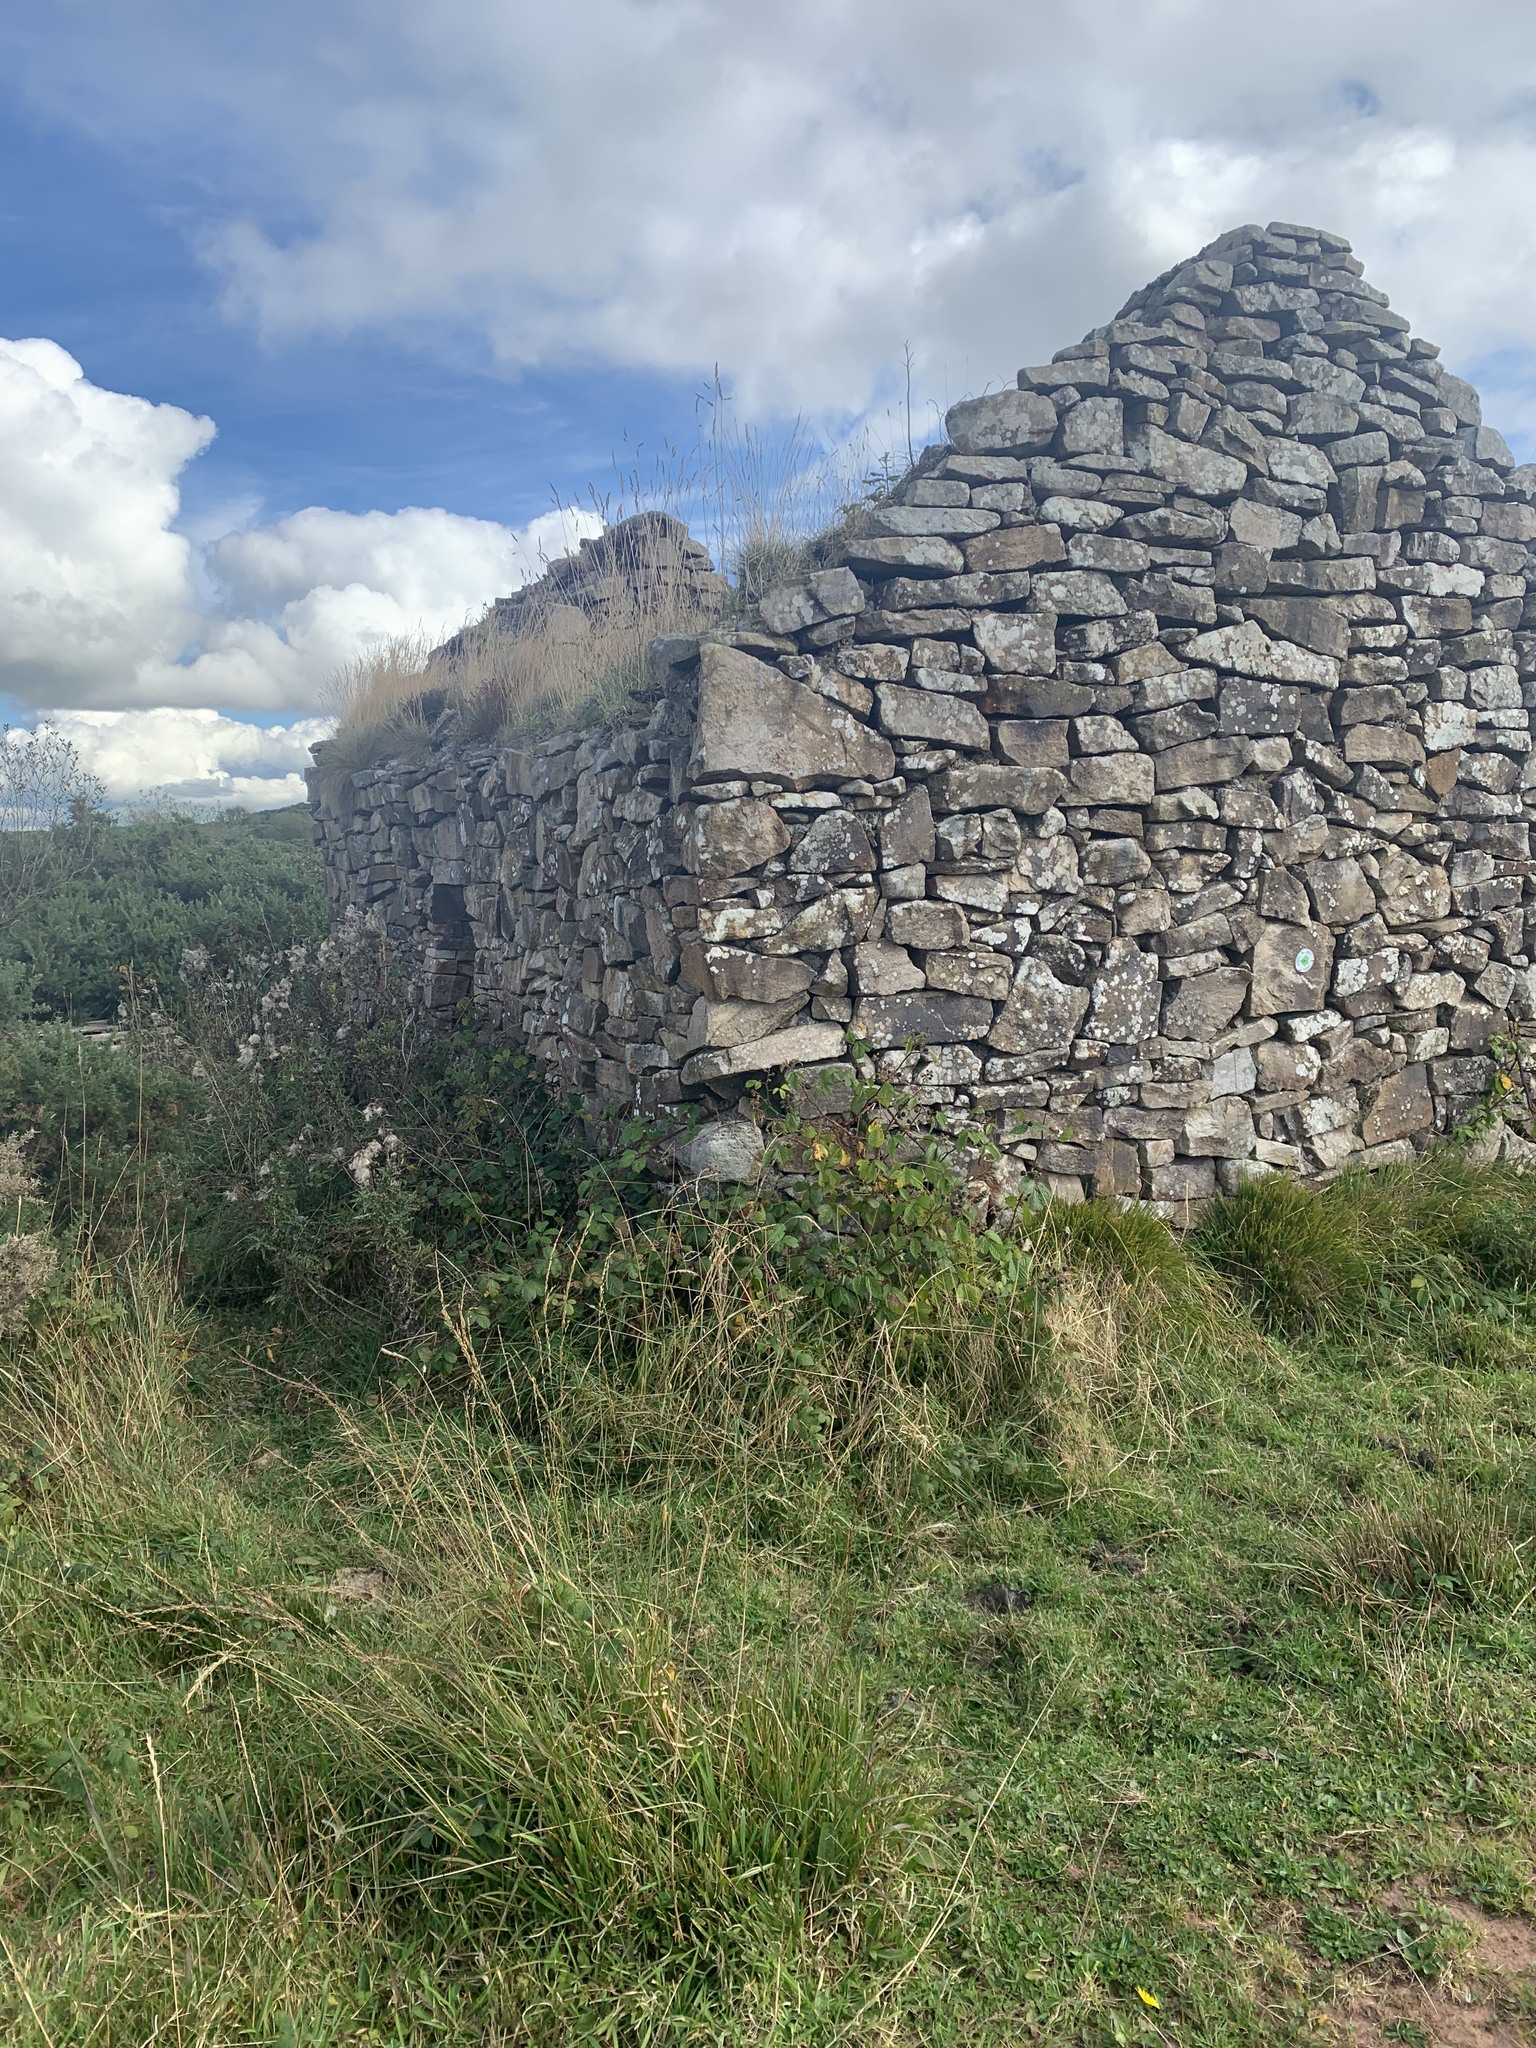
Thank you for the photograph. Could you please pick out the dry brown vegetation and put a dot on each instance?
(770, 508)
(570, 662)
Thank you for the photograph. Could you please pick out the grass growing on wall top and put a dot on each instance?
(771, 506)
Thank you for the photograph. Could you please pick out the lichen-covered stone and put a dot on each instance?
(1041, 1014)
(1126, 995)
(836, 843)
(1022, 420)
(732, 838)
(802, 1045)
(722, 1151)
(936, 927)
(927, 1019)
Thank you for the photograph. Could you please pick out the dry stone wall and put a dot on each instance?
(1151, 781)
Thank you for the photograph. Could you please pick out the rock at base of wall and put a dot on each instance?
(728, 1149)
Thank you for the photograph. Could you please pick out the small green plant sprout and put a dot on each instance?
(1508, 1094)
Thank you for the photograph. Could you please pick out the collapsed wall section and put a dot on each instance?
(1151, 780)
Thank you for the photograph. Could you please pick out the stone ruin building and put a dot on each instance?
(1149, 778)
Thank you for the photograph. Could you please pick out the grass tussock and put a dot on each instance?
(1452, 1544)
(1334, 1260)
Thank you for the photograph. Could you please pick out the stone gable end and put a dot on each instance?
(1150, 779)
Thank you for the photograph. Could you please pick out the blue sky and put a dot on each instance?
(428, 270)
(98, 252)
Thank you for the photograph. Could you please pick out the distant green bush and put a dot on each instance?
(134, 896)
(103, 1128)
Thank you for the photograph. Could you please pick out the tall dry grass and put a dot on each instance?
(574, 660)
(769, 505)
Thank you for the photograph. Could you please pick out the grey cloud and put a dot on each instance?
(795, 189)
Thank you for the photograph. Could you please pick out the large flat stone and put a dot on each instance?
(939, 927)
(1113, 779)
(906, 835)
(1014, 548)
(950, 522)
(1400, 1106)
(1340, 893)
(1309, 621)
(933, 715)
(835, 844)
(1317, 416)
(1247, 650)
(1017, 643)
(989, 786)
(1219, 1129)
(1203, 762)
(754, 721)
(826, 923)
(755, 977)
(723, 1150)
(1004, 422)
(1126, 996)
(1292, 968)
(1295, 462)
(882, 969)
(1077, 594)
(975, 972)
(732, 1022)
(1203, 471)
(734, 837)
(1250, 706)
(905, 555)
(1200, 1008)
(926, 1019)
(1034, 742)
(1412, 891)
(1265, 527)
(802, 1045)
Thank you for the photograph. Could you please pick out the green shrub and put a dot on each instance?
(131, 898)
(110, 1134)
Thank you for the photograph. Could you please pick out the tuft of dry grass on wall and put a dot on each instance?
(770, 507)
(572, 664)
(381, 701)
(575, 662)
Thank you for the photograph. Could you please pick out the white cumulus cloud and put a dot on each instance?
(299, 598)
(196, 757)
(93, 580)
(103, 603)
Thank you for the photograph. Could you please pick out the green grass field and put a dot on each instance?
(1145, 1654)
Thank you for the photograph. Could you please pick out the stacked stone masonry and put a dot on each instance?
(1152, 781)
